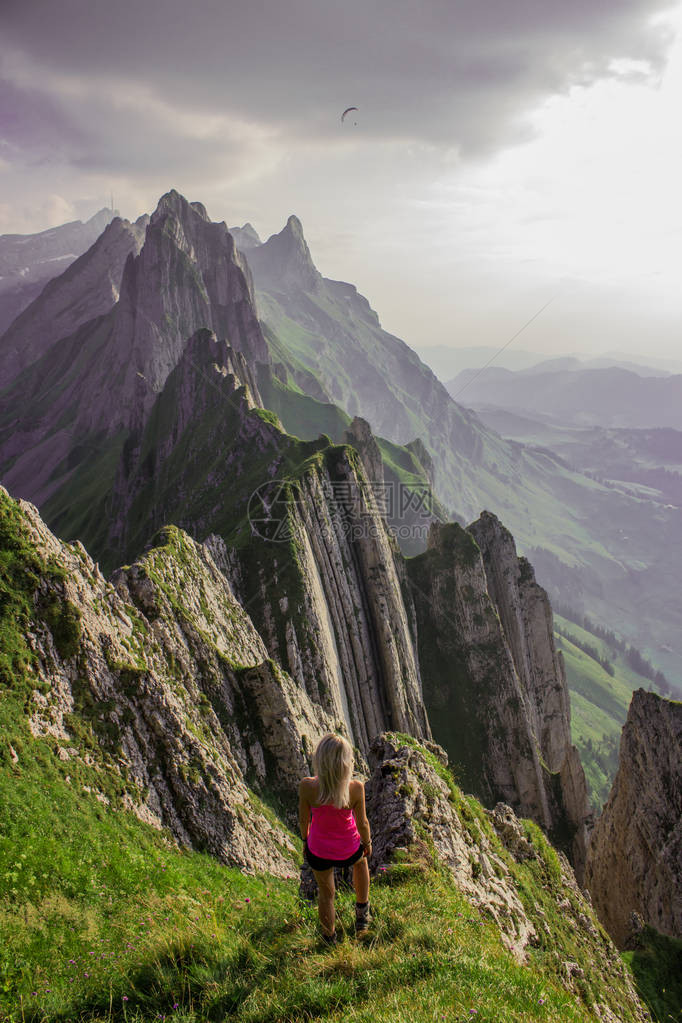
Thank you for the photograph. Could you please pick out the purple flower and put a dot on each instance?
(125, 998)
(247, 900)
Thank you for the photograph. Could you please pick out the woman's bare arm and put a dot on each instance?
(303, 808)
(359, 811)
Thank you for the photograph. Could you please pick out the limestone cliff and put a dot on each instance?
(327, 599)
(527, 623)
(634, 860)
(503, 722)
(159, 678)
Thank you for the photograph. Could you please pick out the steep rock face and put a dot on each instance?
(162, 679)
(284, 262)
(360, 435)
(29, 261)
(634, 860)
(482, 710)
(187, 276)
(103, 380)
(312, 559)
(211, 383)
(245, 237)
(21, 251)
(341, 629)
(89, 288)
(415, 810)
(526, 617)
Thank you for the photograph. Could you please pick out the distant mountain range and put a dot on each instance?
(568, 395)
(447, 362)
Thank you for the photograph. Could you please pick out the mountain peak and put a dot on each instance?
(284, 260)
(245, 237)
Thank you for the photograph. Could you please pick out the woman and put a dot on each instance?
(335, 829)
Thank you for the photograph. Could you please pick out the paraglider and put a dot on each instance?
(347, 111)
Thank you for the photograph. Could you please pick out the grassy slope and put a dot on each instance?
(103, 918)
(599, 704)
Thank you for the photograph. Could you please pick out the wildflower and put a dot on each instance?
(86, 974)
(541, 1001)
(176, 1006)
(125, 998)
(382, 869)
(247, 900)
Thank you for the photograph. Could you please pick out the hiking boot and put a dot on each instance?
(361, 917)
(332, 939)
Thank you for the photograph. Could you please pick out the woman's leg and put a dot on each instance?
(361, 880)
(325, 902)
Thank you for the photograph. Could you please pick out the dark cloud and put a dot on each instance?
(453, 73)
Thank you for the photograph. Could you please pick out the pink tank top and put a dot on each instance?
(333, 833)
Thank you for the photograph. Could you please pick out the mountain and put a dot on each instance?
(609, 397)
(90, 388)
(185, 440)
(446, 362)
(28, 261)
(89, 288)
(584, 538)
(634, 866)
(639, 463)
(144, 713)
(256, 597)
(491, 676)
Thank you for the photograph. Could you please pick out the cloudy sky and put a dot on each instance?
(504, 153)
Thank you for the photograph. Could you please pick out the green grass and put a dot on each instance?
(102, 920)
(599, 705)
(656, 963)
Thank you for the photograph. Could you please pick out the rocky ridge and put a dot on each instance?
(29, 261)
(634, 861)
(159, 678)
(418, 813)
(88, 289)
(493, 685)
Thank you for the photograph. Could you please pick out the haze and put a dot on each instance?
(502, 155)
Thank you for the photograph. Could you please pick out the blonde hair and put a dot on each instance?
(333, 765)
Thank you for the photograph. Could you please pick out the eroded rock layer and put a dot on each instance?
(634, 861)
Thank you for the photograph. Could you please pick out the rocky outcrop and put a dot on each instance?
(87, 289)
(284, 262)
(528, 625)
(245, 237)
(485, 710)
(418, 815)
(634, 861)
(162, 679)
(327, 599)
(360, 435)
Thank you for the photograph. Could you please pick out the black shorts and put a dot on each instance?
(318, 863)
